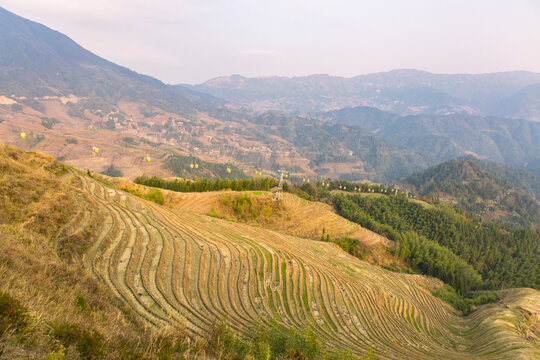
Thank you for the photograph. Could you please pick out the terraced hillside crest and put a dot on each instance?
(295, 216)
(173, 265)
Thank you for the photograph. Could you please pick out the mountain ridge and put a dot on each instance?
(99, 95)
(443, 137)
(36, 60)
(470, 93)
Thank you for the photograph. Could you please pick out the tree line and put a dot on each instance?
(184, 166)
(461, 250)
(202, 185)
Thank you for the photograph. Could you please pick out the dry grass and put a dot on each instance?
(149, 267)
(177, 265)
(295, 216)
(43, 236)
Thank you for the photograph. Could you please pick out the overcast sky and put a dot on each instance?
(189, 41)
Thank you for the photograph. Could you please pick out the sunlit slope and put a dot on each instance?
(309, 218)
(296, 216)
(171, 265)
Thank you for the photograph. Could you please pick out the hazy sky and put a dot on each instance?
(188, 41)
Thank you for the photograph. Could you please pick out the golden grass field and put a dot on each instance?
(168, 265)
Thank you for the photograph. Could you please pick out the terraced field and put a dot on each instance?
(172, 265)
(297, 217)
(308, 218)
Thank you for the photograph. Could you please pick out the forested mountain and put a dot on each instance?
(467, 185)
(533, 166)
(367, 156)
(520, 178)
(441, 138)
(405, 91)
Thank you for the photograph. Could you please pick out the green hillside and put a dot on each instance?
(504, 257)
(520, 178)
(468, 186)
(370, 156)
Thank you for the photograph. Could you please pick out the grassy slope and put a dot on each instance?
(46, 226)
(170, 266)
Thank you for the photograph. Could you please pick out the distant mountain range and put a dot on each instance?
(406, 92)
(37, 63)
(443, 137)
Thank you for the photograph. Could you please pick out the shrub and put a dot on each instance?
(221, 339)
(57, 355)
(214, 213)
(449, 295)
(465, 304)
(67, 333)
(112, 171)
(48, 123)
(226, 199)
(156, 196)
(273, 341)
(13, 316)
(240, 203)
(89, 343)
(353, 246)
(81, 303)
